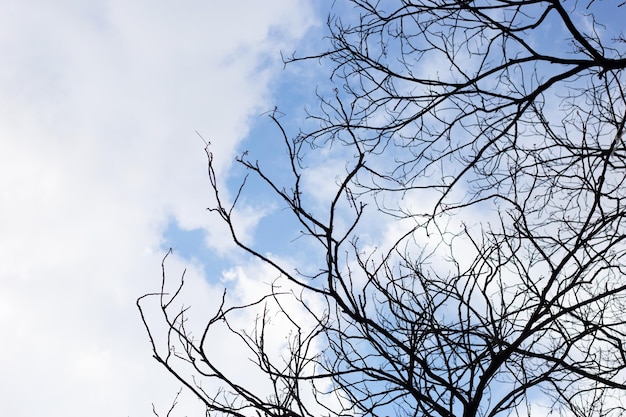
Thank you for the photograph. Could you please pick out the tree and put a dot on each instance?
(499, 159)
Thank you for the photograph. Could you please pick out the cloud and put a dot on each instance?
(99, 102)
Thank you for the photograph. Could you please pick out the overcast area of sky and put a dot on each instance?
(101, 170)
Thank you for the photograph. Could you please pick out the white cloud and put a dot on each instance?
(99, 102)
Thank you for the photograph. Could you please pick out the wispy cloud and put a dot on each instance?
(99, 102)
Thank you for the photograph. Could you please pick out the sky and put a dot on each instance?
(101, 171)
(104, 109)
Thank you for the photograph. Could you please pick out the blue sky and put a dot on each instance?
(101, 172)
(292, 89)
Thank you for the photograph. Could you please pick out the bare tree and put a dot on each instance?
(492, 132)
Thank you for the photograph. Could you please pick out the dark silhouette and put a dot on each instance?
(490, 133)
